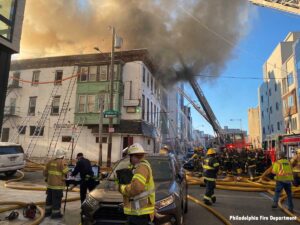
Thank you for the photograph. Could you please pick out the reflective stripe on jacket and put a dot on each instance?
(210, 167)
(142, 184)
(283, 170)
(55, 173)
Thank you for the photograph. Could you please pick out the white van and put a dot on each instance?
(12, 158)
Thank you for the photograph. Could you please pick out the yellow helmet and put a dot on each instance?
(211, 151)
(136, 148)
(200, 148)
(298, 150)
(195, 149)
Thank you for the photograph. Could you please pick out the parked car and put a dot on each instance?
(12, 158)
(104, 204)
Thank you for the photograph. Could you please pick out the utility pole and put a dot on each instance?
(101, 107)
(111, 98)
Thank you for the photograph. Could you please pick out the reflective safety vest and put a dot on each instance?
(139, 195)
(283, 170)
(55, 173)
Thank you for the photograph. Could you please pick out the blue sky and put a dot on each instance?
(231, 98)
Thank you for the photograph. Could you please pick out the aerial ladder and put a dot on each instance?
(289, 6)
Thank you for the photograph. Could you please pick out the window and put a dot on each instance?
(262, 114)
(16, 80)
(278, 126)
(271, 109)
(84, 73)
(32, 105)
(294, 124)
(35, 78)
(154, 120)
(148, 79)
(22, 129)
(147, 109)
(270, 92)
(151, 83)
(149, 141)
(272, 128)
(151, 112)
(262, 99)
(275, 86)
(93, 73)
(290, 79)
(103, 73)
(81, 103)
(58, 77)
(55, 105)
(7, 14)
(116, 72)
(277, 106)
(143, 107)
(264, 130)
(66, 139)
(91, 99)
(144, 74)
(291, 101)
(104, 139)
(36, 131)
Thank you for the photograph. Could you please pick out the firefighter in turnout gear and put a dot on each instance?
(210, 169)
(55, 173)
(198, 159)
(251, 164)
(165, 150)
(261, 161)
(284, 177)
(139, 195)
(295, 161)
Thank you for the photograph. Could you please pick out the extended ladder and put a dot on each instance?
(61, 117)
(19, 129)
(40, 124)
(75, 135)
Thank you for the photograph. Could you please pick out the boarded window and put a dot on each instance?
(32, 105)
(58, 77)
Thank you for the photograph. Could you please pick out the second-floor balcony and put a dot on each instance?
(11, 111)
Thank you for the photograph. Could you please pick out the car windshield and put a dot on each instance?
(5, 150)
(161, 168)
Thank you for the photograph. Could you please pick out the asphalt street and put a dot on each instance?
(229, 203)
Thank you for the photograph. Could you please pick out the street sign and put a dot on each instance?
(111, 113)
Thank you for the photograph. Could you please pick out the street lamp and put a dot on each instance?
(240, 123)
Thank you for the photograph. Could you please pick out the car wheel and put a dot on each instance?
(10, 173)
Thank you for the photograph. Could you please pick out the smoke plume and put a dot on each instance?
(199, 33)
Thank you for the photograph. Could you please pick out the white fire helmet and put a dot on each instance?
(136, 148)
(60, 153)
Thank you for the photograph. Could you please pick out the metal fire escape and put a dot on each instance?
(290, 6)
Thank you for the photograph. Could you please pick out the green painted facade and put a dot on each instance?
(87, 98)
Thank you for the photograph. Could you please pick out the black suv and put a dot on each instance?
(104, 204)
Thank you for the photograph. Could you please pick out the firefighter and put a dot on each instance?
(251, 164)
(210, 169)
(261, 161)
(295, 161)
(55, 173)
(87, 182)
(198, 157)
(165, 150)
(228, 162)
(139, 195)
(284, 177)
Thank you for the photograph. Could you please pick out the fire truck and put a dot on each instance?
(281, 142)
